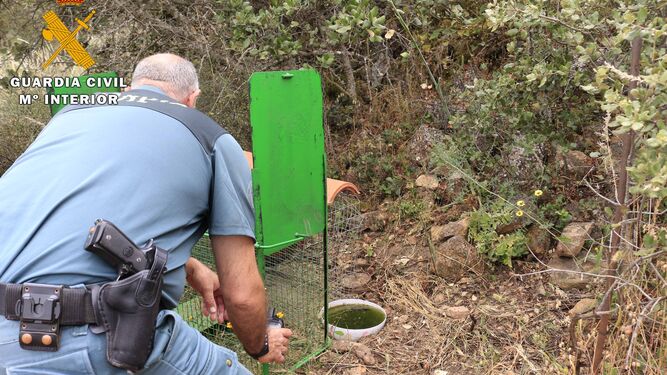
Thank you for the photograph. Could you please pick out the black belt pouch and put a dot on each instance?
(127, 310)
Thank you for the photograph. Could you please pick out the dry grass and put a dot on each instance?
(637, 341)
(517, 325)
(19, 124)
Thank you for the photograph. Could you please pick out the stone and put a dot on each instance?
(456, 228)
(355, 282)
(342, 346)
(570, 279)
(456, 257)
(576, 163)
(538, 240)
(361, 262)
(438, 299)
(359, 370)
(583, 306)
(457, 312)
(627, 330)
(508, 228)
(577, 234)
(427, 181)
(364, 353)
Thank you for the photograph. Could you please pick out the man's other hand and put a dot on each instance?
(205, 281)
(278, 344)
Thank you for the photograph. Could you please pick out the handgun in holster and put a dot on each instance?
(126, 309)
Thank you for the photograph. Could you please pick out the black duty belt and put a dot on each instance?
(42, 309)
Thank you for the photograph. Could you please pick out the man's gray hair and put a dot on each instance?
(178, 73)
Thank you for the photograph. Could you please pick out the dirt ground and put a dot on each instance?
(494, 323)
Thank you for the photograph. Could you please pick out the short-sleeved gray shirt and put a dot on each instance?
(142, 170)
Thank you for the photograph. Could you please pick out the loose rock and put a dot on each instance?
(457, 312)
(342, 346)
(570, 280)
(577, 234)
(438, 299)
(427, 181)
(576, 163)
(359, 370)
(361, 262)
(517, 224)
(364, 353)
(443, 232)
(455, 257)
(355, 282)
(538, 240)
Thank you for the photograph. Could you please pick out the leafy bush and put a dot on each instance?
(497, 247)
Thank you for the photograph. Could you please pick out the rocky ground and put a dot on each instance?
(450, 312)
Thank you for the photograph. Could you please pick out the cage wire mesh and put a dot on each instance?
(295, 282)
(344, 227)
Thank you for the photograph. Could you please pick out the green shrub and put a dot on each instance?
(497, 247)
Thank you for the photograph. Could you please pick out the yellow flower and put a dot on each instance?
(280, 315)
(520, 203)
(229, 325)
(519, 213)
(538, 193)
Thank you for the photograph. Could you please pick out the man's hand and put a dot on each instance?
(278, 343)
(203, 280)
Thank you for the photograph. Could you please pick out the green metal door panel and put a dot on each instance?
(83, 90)
(289, 159)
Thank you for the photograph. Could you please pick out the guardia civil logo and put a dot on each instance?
(56, 32)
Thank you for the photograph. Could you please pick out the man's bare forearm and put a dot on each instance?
(242, 288)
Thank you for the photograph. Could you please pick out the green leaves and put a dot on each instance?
(594, 36)
(357, 21)
(482, 231)
(326, 59)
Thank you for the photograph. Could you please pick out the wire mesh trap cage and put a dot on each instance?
(343, 228)
(295, 280)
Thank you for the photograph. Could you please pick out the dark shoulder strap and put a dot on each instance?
(201, 126)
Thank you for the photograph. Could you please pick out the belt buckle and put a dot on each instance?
(40, 310)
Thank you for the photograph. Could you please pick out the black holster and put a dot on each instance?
(127, 310)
